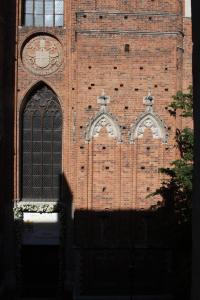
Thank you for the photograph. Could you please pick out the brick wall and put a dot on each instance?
(93, 41)
(106, 175)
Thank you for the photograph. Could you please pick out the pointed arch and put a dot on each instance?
(153, 122)
(32, 88)
(103, 120)
(41, 144)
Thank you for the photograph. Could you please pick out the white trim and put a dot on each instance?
(103, 119)
(188, 12)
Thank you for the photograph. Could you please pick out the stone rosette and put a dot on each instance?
(42, 55)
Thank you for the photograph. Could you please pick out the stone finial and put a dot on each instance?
(103, 119)
(149, 119)
(103, 100)
(149, 101)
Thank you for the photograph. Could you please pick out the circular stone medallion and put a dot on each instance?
(42, 55)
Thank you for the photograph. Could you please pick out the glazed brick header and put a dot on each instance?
(172, 6)
(146, 22)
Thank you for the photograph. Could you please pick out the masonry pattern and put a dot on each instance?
(114, 67)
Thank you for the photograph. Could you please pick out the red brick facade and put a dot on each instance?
(93, 41)
(124, 48)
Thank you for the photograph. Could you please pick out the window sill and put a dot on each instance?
(40, 27)
(39, 201)
(35, 207)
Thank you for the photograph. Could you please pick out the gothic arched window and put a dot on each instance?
(41, 146)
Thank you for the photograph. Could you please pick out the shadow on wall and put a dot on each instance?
(130, 252)
(107, 253)
(7, 65)
(43, 247)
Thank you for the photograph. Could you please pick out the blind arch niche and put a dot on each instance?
(41, 146)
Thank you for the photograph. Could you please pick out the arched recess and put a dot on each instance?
(103, 120)
(146, 135)
(41, 145)
(151, 121)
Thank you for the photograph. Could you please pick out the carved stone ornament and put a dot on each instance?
(42, 55)
(103, 119)
(149, 119)
(149, 122)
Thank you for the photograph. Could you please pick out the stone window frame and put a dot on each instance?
(25, 106)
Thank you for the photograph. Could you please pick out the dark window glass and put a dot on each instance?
(41, 146)
(49, 20)
(59, 7)
(49, 9)
(38, 7)
(58, 20)
(41, 13)
(28, 20)
(38, 19)
(28, 7)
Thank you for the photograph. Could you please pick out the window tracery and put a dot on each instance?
(41, 142)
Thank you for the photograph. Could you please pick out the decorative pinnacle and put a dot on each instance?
(148, 100)
(103, 100)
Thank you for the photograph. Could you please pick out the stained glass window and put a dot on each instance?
(46, 13)
(41, 146)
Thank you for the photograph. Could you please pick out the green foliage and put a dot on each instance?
(184, 102)
(174, 212)
(176, 189)
(185, 141)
